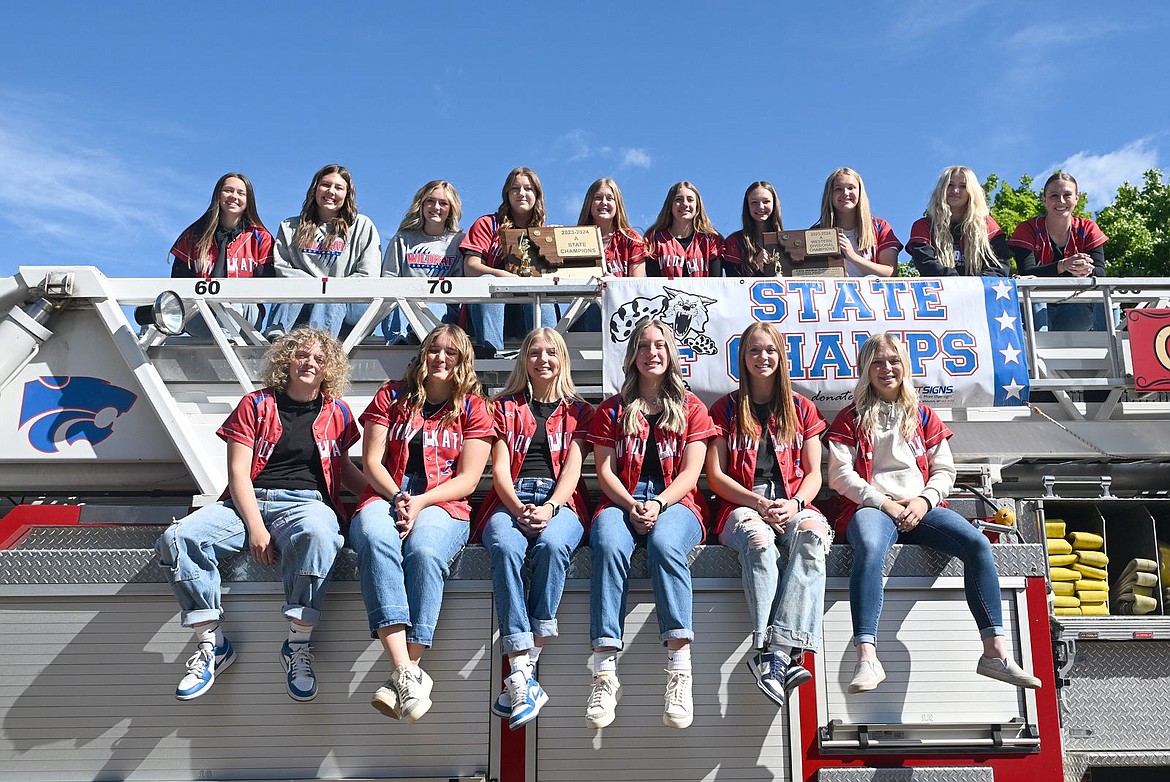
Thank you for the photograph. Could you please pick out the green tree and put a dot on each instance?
(1137, 223)
(1009, 205)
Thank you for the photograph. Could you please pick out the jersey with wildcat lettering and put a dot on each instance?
(248, 255)
(359, 254)
(625, 248)
(415, 253)
(256, 423)
(442, 444)
(515, 424)
(741, 453)
(630, 450)
(698, 259)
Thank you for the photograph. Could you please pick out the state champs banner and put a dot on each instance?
(964, 334)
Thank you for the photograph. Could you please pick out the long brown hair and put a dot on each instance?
(701, 222)
(753, 230)
(866, 237)
(311, 220)
(621, 219)
(504, 217)
(464, 380)
(206, 225)
(781, 404)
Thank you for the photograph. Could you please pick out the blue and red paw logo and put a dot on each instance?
(68, 409)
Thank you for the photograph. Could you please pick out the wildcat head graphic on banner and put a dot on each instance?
(963, 334)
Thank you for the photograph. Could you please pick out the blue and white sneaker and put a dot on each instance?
(298, 664)
(795, 676)
(502, 705)
(202, 668)
(528, 698)
(769, 669)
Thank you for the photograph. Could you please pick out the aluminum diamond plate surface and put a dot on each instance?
(1104, 710)
(91, 537)
(1076, 763)
(922, 774)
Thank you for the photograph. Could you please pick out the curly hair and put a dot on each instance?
(464, 380)
(280, 356)
(972, 225)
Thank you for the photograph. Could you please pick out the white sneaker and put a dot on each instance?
(385, 700)
(680, 706)
(601, 708)
(414, 691)
(867, 675)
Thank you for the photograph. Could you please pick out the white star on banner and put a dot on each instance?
(1006, 322)
(1002, 289)
(1011, 355)
(1013, 389)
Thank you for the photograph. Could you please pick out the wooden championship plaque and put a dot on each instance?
(563, 250)
(817, 249)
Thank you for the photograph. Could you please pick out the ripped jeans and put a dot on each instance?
(787, 609)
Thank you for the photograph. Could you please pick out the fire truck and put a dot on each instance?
(108, 435)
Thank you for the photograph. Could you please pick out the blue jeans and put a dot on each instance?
(871, 532)
(1070, 316)
(331, 317)
(612, 539)
(551, 550)
(487, 320)
(416, 567)
(786, 610)
(304, 529)
(396, 328)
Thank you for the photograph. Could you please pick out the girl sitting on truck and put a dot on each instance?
(890, 462)
(649, 443)
(959, 236)
(329, 238)
(682, 242)
(287, 452)
(867, 243)
(535, 509)
(765, 466)
(228, 241)
(743, 252)
(427, 439)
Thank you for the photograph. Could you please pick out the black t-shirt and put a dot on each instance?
(538, 458)
(414, 461)
(651, 464)
(295, 463)
(767, 467)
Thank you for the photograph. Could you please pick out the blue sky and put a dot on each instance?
(116, 119)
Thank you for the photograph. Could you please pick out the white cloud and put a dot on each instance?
(922, 20)
(73, 198)
(577, 145)
(635, 157)
(1099, 176)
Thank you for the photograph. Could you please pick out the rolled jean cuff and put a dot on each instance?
(421, 635)
(681, 634)
(781, 636)
(388, 616)
(545, 628)
(864, 638)
(991, 632)
(607, 643)
(759, 639)
(517, 642)
(200, 616)
(302, 614)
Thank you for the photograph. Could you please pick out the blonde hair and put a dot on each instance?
(414, 216)
(753, 230)
(972, 227)
(867, 402)
(866, 238)
(280, 355)
(781, 404)
(311, 221)
(701, 222)
(621, 220)
(463, 378)
(673, 393)
(562, 384)
(504, 213)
